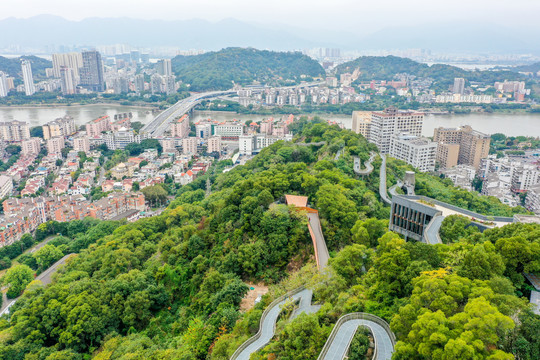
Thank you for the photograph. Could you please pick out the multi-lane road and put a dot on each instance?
(162, 122)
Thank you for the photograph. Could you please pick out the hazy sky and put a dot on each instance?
(361, 16)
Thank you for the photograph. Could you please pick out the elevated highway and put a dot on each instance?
(161, 123)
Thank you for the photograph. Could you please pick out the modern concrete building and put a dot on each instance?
(411, 218)
(391, 121)
(92, 77)
(417, 151)
(252, 144)
(14, 131)
(29, 87)
(31, 146)
(473, 145)
(120, 138)
(361, 123)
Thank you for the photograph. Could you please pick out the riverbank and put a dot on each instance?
(57, 105)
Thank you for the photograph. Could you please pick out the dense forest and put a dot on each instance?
(170, 286)
(12, 66)
(385, 67)
(220, 70)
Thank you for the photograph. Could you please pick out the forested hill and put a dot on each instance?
(12, 66)
(385, 67)
(170, 287)
(218, 70)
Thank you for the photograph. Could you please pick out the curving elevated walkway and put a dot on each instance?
(269, 318)
(382, 181)
(340, 338)
(369, 166)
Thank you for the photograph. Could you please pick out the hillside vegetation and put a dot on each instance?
(12, 66)
(385, 67)
(219, 70)
(169, 287)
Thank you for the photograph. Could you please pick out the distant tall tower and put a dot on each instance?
(29, 87)
(68, 84)
(164, 67)
(92, 71)
(4, 89)
(70, 60)
(139, 83)
(459, 86)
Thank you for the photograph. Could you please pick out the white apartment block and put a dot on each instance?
(81, 143)
(14, 131)
(416, 151)
(189, 145)
(4, 88)
(214, 144)
(250, 144)
(385, 124)
(525, 176)
(31, 146)
(229, 130)
(29, 86)
(119, 139)
(55, 145)
(6, 186)
(532, 201)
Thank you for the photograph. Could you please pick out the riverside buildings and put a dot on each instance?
(60, 127)
(29, 87)
(14, 131)
(416, 151)
(472, 146)
(92, 71)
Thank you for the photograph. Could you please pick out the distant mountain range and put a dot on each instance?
(201, 34)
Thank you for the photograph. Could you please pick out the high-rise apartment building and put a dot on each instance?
(4, 89)
(60, 127)
(361, 122)
(81, 143)
(189, 145)
(473, 145)
(73, 61)
(214, 144)
(139, 83)
(92, 71)
(14, 131)
(459, 86)
(29, 87)
(31, 146)
(164, 67)
(391, 121)
(68, 83)
(180, 128)
(95, 127)
(416, 151)
(55, 145)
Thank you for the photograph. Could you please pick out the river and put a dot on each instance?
(509, 124)
(82, 114)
